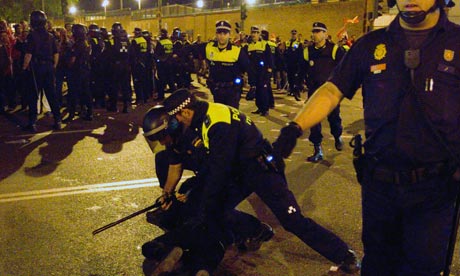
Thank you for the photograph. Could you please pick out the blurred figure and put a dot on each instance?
(79, 70)
(64, 49)
(120, 68)
(40, 62)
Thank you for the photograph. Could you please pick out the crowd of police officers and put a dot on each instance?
(99, 66)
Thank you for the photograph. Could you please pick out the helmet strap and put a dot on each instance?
(416, 17)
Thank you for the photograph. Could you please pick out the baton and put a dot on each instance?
(453, 236)
(110, 225)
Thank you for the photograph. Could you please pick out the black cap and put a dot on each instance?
(137, 30)
(255, 29)
(318, 26)
(178, 100)
(294, 31)
(223, 26)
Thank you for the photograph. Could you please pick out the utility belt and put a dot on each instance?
(408, 177)
(378, 171)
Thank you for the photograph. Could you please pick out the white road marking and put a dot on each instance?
(94, 188)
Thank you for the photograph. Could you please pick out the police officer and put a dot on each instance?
(227, 63)
(149, 86)
(106, 67)
(292, 54)
(121, 71)
(236, 147)
(411, 100)
(40, 62)
(79, 70)
(138, 59)
(163, 58)
(319, 60)
(97, 64)
(264, 34)
(260, 69)
(184, 150)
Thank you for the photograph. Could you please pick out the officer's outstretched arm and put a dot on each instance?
(323, 101)
(174, 176)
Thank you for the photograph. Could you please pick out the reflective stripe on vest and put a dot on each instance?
(307, 57)
(213, 53)
(217, 113)
(272, 46)
(167, 45)
(142, 44)
(258, 46)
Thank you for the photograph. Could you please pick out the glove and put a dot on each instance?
(286, 142)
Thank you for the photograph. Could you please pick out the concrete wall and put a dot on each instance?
(278, 19)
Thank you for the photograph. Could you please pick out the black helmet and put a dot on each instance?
(93, 30)
(155, 125)
(264, 34)
(116, 28)
(37, 19)
(79, 31)
(163, 33)
(146, 34)
(104, 32)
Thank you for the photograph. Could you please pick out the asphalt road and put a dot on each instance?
(56, 187)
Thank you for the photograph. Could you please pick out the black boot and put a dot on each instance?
(338, 143)
(351, 264)
(317, 155)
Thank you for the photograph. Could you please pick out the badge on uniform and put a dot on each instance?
(312, 63)
(211, 55)
(380, 52)
(378, 68)
(448, 55)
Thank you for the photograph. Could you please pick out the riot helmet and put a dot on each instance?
(264, 34)
(104, 33)
(416, 17)
(163, 33)
(37, 19)
(93, 30)
(137, 32)
(146, 34)
(116, 29)
(79, 31)
(156, 126)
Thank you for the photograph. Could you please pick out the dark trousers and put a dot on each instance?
(61, 74)
(241, 224)
(262, 93)
(79, 92)
(406, 227)
(228, 95)
(272, 189)
(139, 80)
(165, 77)
(42, 77)
(97, 83)
(335, 122)
(121, 82)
